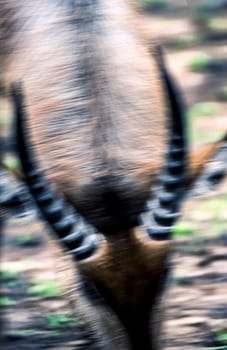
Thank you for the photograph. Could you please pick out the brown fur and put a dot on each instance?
(94, 94)
(97, 118)
(200, 157)
(130, 271)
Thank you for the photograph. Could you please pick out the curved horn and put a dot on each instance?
(164, 210)
(72, 231)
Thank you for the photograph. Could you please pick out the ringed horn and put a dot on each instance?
(72, 231)
(163, 210)
(76, 235)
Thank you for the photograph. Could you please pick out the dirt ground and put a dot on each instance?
(196, 312)
(196, 300)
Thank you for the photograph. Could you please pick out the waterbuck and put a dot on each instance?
(101, 138)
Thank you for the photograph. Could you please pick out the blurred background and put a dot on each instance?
(194, 35)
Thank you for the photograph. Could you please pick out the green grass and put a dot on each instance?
(6, 301)
(200, 16)
(203, 136)
(194, 114)
(222, 94)
(183, 41)
(9, 278)
(218, 226)
(218, 24)
(45, 289)
(58, 321)
(6, 275)
(12, 163)
(197, 134)
(179, 279)
(184, 228)
(153, 4)
(222, 347)
(202, 109)
(210, 216)
(206, 219)
(201, 62)
(25, 332)
(221, 335)
(27, 240)
(216, 207)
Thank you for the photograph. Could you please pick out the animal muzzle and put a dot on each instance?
(110, 204)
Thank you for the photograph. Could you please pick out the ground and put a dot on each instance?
(36, 299)
(38, 312)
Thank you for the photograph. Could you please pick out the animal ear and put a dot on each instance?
(199, 158)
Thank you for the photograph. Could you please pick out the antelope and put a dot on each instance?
(102, 142)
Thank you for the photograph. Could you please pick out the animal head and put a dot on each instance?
(126, 269)
(101, 138)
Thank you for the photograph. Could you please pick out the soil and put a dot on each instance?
(196, 300)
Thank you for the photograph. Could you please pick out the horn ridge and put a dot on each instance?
(70, 231)
(83, 251)
(164, 211)
(175, 167)
(159, 233)
(164, 217)
(171, 182)
(176, 152)
(64, 227)
(45, 198)
(167, 199)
